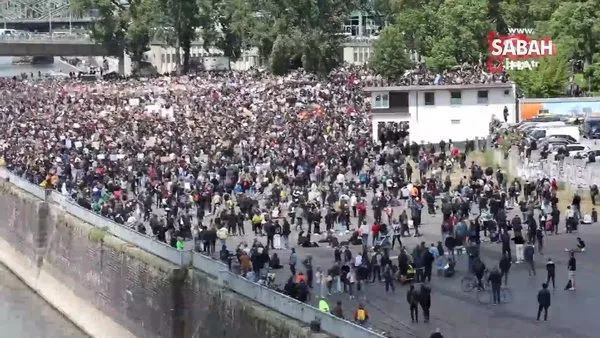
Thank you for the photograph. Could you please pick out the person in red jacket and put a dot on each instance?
(362, 212)
(375, 231)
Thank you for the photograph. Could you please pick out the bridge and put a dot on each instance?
(41, 44)
(41, 15)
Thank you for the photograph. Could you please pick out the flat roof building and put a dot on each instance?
(443, 112)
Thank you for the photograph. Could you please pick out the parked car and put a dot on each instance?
(590, 128)
(572, 149)
(570, 139)
(590, 156)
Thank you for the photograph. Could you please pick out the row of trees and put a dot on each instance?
(286, 32)
(306, 32)
(451, 32)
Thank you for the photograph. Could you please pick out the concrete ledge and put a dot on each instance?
(81, 313)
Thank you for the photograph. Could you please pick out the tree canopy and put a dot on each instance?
(292, 33)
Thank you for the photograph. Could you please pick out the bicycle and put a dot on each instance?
(485, 296)
(470, 283)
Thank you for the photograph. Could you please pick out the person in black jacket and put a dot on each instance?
(504, 265)
(412, 297)
(543, 301)
(551, 269)
(425, 300)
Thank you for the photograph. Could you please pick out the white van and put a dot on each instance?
(536, 125)
(539, 133)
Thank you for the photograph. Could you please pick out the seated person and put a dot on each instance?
(449, 268)
(274, 262)
(355, 239)
(580, 246)
(304, 240)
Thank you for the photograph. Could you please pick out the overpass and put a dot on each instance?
(36, 44)
(41, 15)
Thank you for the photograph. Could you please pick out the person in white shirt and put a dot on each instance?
(358, 260)
(364, 233)
(353, 203)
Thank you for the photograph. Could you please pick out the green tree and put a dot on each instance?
(390, 58)
(179, 20)
(127, 24)
(549, 79)
(577, 26)
(470, 36)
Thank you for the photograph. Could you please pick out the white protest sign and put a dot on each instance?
(78, 144)
(134, 102)
(101, 156)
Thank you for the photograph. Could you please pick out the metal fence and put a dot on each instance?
(267, 297)
(576, 174)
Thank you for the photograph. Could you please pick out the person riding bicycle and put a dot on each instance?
(479, 271)
(495, 278)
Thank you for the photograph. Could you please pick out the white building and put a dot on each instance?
(162, 57)
(361, 30)
(442, 112)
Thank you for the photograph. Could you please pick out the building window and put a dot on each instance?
(454, 121)
(162, 58)
(482, 96)
(429, 98)
(360, 55)
(168, 58)
(506, 92)
(456, 97)
(355, 50)
(382, 101)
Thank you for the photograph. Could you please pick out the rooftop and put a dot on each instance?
(507, 85)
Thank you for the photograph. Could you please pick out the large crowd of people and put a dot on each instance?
(202, 157)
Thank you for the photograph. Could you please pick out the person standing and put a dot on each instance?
(388, 277)
(495, 279)
(571, 267)
(528, 254)
(428, 259)
(412, 297)
(519, 243)
(505, 265)
(425, 300)
(551, 270)
(543, 301)
(293, 261)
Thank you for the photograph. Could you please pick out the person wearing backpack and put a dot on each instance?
(361, 316)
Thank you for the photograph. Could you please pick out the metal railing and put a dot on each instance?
(265, 296)
(26, 36)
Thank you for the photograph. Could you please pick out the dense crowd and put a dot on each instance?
(465, 74)
(200, 157)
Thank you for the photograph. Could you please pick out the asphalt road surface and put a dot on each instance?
(458, 314)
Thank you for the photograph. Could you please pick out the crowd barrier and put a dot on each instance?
(265, 296)
(575, 174)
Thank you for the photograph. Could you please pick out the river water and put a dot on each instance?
(23, 313)
(8, 69)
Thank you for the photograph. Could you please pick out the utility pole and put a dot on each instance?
(50, 17)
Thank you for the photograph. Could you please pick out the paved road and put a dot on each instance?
(459, 314)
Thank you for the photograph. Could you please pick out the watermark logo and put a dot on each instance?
(517, 51)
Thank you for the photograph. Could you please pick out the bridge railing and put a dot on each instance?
(45, 36)
(260, 294)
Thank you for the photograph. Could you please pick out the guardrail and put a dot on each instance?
(265, 296)
(45, 36)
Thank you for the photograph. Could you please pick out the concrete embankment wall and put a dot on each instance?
(110, 288)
